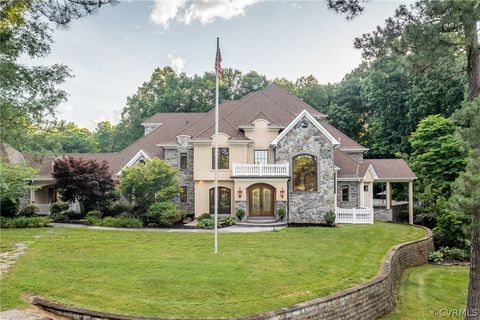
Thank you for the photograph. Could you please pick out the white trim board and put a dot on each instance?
(310, 118)
(134, 159)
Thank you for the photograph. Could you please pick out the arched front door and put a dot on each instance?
(261, 200)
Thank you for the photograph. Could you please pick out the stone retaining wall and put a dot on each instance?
(371, 300)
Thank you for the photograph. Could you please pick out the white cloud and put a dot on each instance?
(176, 63)
(165, 10)
(205, 11)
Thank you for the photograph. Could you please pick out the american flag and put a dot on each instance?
(218, 62)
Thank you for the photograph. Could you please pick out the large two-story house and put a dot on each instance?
(274, 151)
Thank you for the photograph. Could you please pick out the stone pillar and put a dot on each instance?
(389, 196)
(410, 202)
(32, 195)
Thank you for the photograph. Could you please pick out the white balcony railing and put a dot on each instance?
(260, 170)
(355, 216)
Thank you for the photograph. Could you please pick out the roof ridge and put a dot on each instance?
(191, 124)
(303, 102)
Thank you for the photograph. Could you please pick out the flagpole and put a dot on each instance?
(216, 158)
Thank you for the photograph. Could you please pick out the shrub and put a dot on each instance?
(240, 214)
(30, 210)
(282, 212)
(92, 220)
(435, 257)
(455, 254)
(204, 216)
(93, 214)
(23, 222)
(165, 213)
(73, 215)
(60, 217)
(330, 218)
(227, 222)
(118, 207)
(206, 224)
(120, 222)
(8, 207)
(58, 207)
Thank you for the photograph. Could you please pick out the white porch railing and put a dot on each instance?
(354, 216)
(259, 170)
(44, 208)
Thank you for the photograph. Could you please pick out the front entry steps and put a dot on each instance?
(261, 222)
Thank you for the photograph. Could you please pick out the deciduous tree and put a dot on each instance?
(86, 181)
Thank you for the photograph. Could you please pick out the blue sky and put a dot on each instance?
(113, 52)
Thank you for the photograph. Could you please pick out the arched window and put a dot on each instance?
(224, 201)
(304, 173)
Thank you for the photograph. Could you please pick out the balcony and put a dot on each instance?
(260, 170)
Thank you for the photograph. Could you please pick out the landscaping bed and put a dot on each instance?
(177, 274)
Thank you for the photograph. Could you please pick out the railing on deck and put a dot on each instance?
(259, 170)
(44, 208)
(354, 216)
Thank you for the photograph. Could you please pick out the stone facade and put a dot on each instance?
(372, 300)
(357, 156)
(309, 140)
(185, 176)
(353, 194)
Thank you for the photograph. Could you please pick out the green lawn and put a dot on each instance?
(176, 274)
(8, 237)
(427, 291)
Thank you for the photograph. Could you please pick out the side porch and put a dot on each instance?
(45, 193)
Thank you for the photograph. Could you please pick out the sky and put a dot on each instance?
(116, 50)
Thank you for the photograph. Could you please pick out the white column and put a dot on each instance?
(410, 202)
(389, 196)
(32, 195)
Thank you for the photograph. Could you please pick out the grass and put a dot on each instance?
(177, 275)
(8, 237)
(428, 291)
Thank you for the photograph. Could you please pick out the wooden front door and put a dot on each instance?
(261, 199)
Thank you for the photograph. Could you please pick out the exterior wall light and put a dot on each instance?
(239, 192)
(282, 193)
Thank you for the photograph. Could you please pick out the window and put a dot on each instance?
(183, 194)
(345, 193)
(223, 158)
(224, 200)
(304, 173)
(365, 188)
(260, 156)
(183, 161)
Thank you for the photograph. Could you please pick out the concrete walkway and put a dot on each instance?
(232, 229)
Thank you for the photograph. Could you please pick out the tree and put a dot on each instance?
(437, 156)
(86, 181)
(423, 33)
(466, 197)
(30, 94)
(149, 182)
(58, 138)
(104, 135)
(13, 186)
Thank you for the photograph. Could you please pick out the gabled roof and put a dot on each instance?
(391, 169)
(305, 114)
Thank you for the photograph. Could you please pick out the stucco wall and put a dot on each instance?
(262, 136)
(202, 194)
(309, 207)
